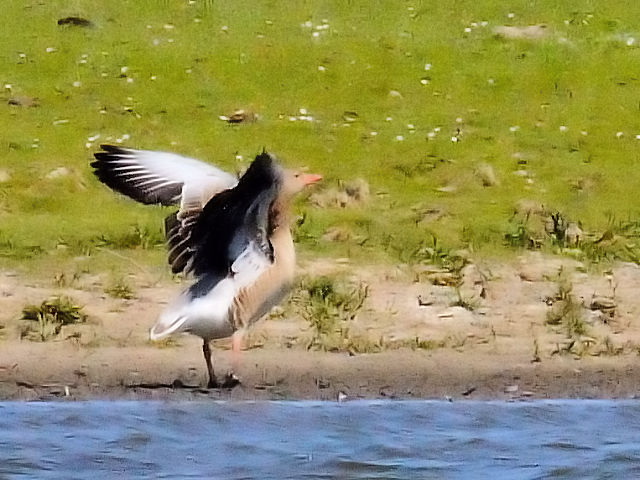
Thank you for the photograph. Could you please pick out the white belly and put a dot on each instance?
(206, 316)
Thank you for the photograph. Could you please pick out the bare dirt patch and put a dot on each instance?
(489, 337)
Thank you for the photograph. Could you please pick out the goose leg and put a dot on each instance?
(231, 379)
(206, 350)
(237, 341)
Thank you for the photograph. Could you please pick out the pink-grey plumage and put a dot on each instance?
(232, 235)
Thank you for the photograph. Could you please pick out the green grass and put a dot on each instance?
(162, 72)
(51, 315)
(329, 307)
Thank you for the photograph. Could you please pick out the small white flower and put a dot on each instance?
(321, 68)
(630, 41)
(126, 136)
(399, 138)
(153, 77)
(411, 126)
(511, 15)
(459, 120)
(188, 70)
(424, 81)
(431, 135)
(474, 24)
(129, 80)
(437, 129)
(584, 133)
(124, 70)
(373, 134)
(169, 40)
(50, 49)
(93, 138)
(22, 55)
(224, 28)
(169, 26)
(563, 128)
(156, 42)
(455, 139)
(637, 137)
(77, 84)
(467, 30)
(239, 157)
(307, 24)
(8, 86)
(484, 23)
(293, 119)
(619, 134)
(514, 128)
(389, 119)
(88, 145)
(302, 111)
(149, 27)
(427, 67)
(316, 34)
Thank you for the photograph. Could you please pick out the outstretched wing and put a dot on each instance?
(159, 177)
(231, 234)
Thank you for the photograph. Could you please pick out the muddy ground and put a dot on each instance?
(418, 337)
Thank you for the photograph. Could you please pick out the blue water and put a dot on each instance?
(569, 439)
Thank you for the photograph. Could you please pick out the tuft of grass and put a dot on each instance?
(329, 306)
(51, 315)
(518, 235)
(120, 288)
(433, 252)
(609, 348)
(169, 342)
(416, 343)
(566, 311)
(464, 300)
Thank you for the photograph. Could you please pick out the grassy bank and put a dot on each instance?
(454, 122)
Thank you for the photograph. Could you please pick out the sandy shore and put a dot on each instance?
(147, 373)
(500, 348)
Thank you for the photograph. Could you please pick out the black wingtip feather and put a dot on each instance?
(111, 149)
(104, 169)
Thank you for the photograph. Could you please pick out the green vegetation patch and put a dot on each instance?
(51, 315)
(453, 114)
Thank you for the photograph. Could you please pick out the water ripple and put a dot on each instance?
(315, 440)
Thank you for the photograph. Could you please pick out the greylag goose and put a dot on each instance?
(233, 236)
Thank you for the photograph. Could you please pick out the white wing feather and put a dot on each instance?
(147, 175)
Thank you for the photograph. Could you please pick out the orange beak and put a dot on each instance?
(310, 178)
